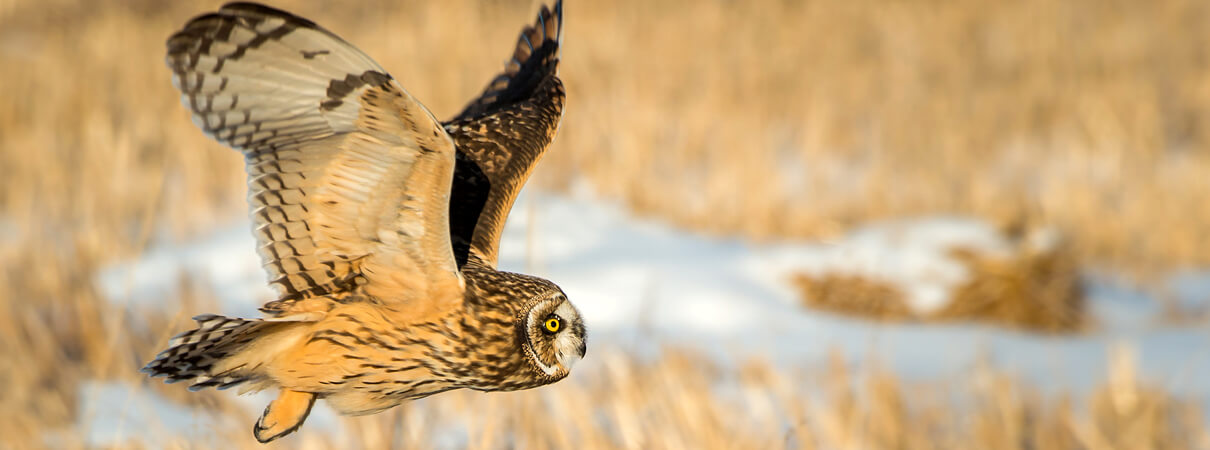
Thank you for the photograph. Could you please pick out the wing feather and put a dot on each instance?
(501, 135)
(348, 175)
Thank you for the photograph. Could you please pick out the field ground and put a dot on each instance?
(763, 122)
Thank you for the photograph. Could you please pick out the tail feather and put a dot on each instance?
(199, 355)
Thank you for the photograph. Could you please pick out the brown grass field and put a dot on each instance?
(764, 119)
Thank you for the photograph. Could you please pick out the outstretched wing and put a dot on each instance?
(501, 135)
(348, 175)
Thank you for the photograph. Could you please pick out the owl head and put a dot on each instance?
(552, 334)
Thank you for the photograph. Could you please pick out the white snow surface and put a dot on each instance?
(114, 412)
(642, 286)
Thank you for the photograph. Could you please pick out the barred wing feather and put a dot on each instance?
(348, 175)
(502, 134)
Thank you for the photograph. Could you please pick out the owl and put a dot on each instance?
(377, 224)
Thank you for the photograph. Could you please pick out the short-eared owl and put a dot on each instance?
(378, 224)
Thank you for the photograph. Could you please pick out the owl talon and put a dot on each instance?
(283, 415)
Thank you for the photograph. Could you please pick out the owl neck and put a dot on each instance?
(495, 291)
(496, 302)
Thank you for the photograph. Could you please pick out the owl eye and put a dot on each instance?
(552, 324)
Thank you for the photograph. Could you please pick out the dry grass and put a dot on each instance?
(683, 400)
(1036, 289)
(854, 295)
(805, 118)
(764, 118)
(1036, 285)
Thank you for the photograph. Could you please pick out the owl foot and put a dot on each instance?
(283, 415)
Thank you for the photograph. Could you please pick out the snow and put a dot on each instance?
(1190, 289)
(643, 286)
(225, 262)
(912, 255)
(114, 412)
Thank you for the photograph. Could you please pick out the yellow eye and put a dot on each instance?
(552, 324)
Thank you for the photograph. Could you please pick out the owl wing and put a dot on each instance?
(348, 175)
(501, 135)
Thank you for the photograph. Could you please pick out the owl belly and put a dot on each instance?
(361, 362)
(374, 393)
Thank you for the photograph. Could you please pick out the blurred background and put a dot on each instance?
(789, 224)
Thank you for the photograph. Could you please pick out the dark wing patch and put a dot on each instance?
(501, 135)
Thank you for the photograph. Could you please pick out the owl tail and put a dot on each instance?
(222, 352)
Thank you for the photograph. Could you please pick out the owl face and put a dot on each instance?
(553, 335)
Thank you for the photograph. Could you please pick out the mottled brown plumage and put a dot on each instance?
(378, 225)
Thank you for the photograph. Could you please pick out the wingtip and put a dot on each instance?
(550, 23)
(535, 56)
(558, 15)
(555, 13)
